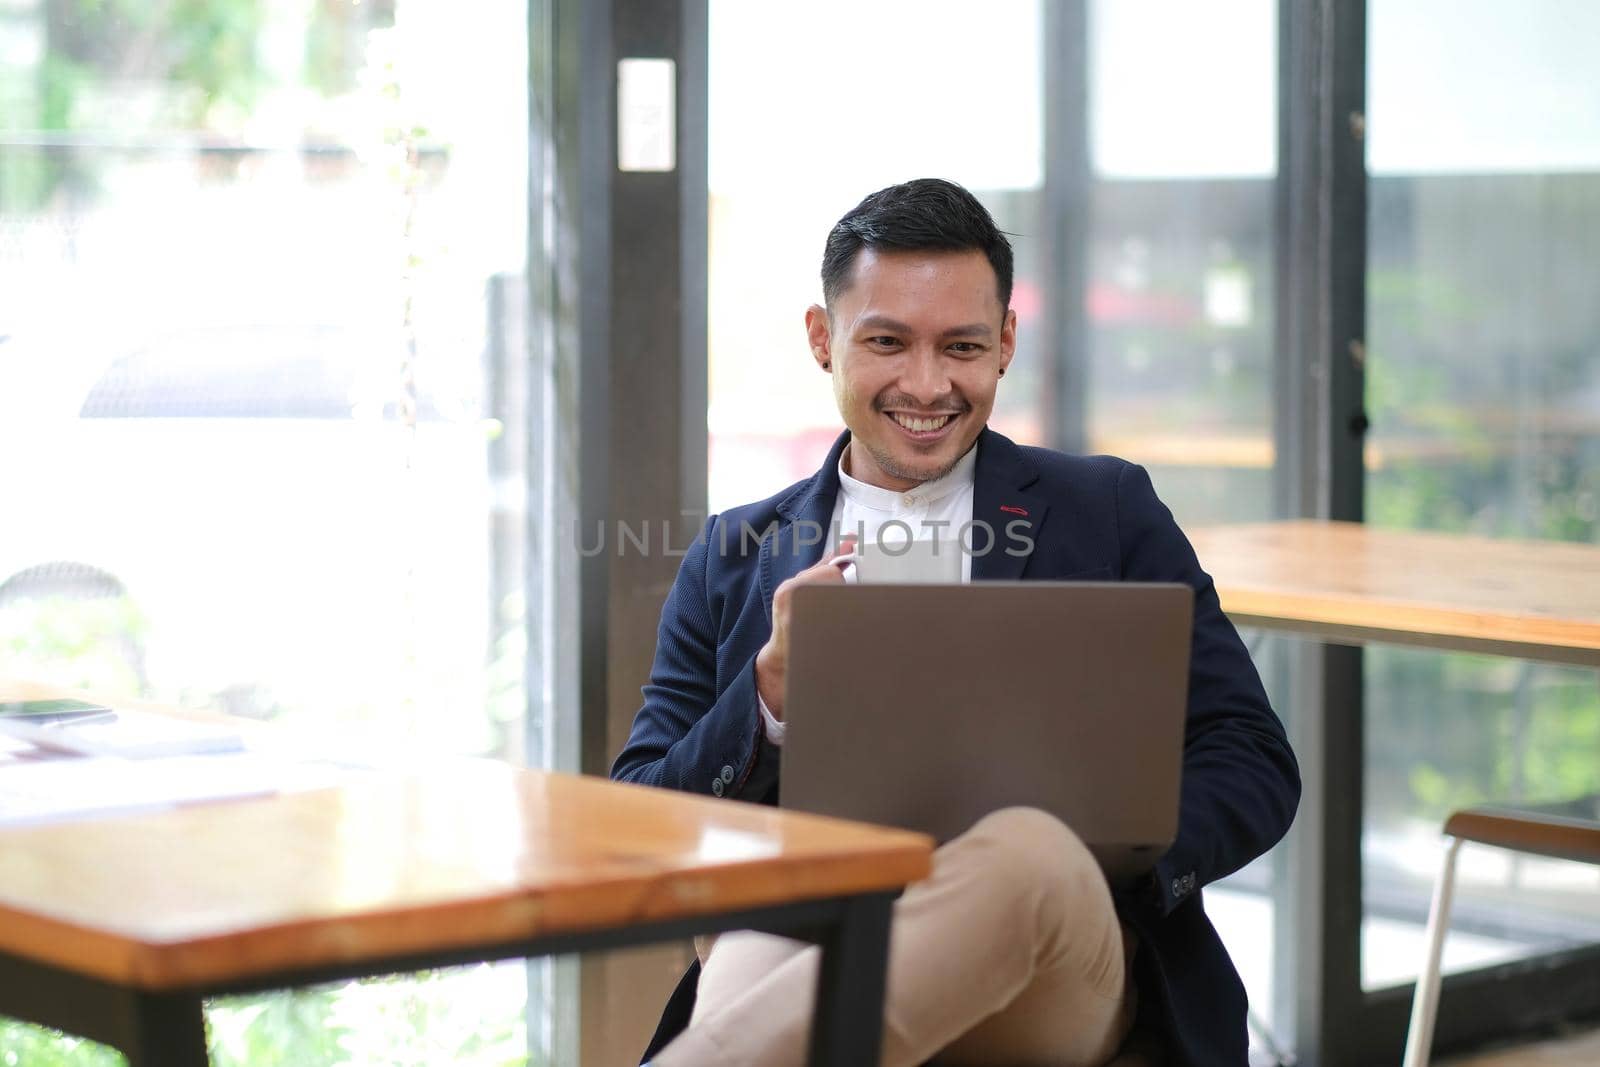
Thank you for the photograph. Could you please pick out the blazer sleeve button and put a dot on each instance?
(716, 787)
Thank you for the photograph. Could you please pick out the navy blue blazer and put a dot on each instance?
(1088, 517)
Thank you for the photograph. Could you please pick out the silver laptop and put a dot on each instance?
(929, 706)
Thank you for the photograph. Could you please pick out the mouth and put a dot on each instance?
(923, 428)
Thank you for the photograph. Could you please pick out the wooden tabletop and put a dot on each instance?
(462, 854)
(1350, 582)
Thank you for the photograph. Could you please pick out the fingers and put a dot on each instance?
(834, 563)
(828, 570)
(847, 545)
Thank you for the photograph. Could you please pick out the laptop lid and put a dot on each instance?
(929, 706)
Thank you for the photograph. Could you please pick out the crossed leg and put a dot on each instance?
(1009, 953)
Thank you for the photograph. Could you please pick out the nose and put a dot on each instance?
(925, 378)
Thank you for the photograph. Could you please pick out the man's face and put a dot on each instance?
(915, 345)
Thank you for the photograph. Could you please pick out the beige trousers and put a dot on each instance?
(1009, 953)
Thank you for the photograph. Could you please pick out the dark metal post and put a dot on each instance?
(847, 1025)
(551, 586)
(1068, 185)
(167, 1031)
(639, 275)
(1319, 434)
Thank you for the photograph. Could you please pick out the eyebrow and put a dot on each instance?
(884, 322)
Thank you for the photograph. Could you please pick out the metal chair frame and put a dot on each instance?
(1555, 832)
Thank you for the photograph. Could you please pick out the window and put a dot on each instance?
(1484, 392)
(258, 277)
(790, 152)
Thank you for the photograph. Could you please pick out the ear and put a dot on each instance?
(819, 335)
(1008, 338)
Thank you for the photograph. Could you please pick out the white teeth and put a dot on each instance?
(922, 425)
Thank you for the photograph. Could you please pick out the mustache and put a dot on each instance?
(953, 406)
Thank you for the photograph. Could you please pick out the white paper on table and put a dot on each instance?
(49, 790)
(13, 749)
(127, 733)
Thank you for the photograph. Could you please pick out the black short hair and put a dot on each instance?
(925, 215)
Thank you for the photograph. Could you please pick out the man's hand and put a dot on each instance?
(772, 662)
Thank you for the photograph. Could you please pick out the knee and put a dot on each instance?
(1030, 849)
(1027, 831)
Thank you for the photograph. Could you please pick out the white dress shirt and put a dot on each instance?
(940, 509)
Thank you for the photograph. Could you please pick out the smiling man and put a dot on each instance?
(1014, 951)
(920, 341)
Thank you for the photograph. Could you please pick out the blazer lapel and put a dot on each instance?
(803, 529)
(1001, 505)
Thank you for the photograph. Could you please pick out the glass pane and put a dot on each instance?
(1201, 100)
(1181, 258)
(254, 261)
(783, 168)
(1183, 152)
(1484, 392)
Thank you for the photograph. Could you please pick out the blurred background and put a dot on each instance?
(254, 258)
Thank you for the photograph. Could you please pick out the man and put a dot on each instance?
(1013, 951)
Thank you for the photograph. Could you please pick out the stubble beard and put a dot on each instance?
(881, 456)
(895, 469)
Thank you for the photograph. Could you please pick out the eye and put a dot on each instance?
(883, 341)
(966, 348)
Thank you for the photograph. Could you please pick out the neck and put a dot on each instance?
(869, 472)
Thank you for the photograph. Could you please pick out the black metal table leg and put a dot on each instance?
(847, 1028)
(167, 1031)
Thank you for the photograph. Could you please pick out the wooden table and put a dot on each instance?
(115, 929)
(1349, 583)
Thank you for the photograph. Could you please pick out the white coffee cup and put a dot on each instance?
(921, 562)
